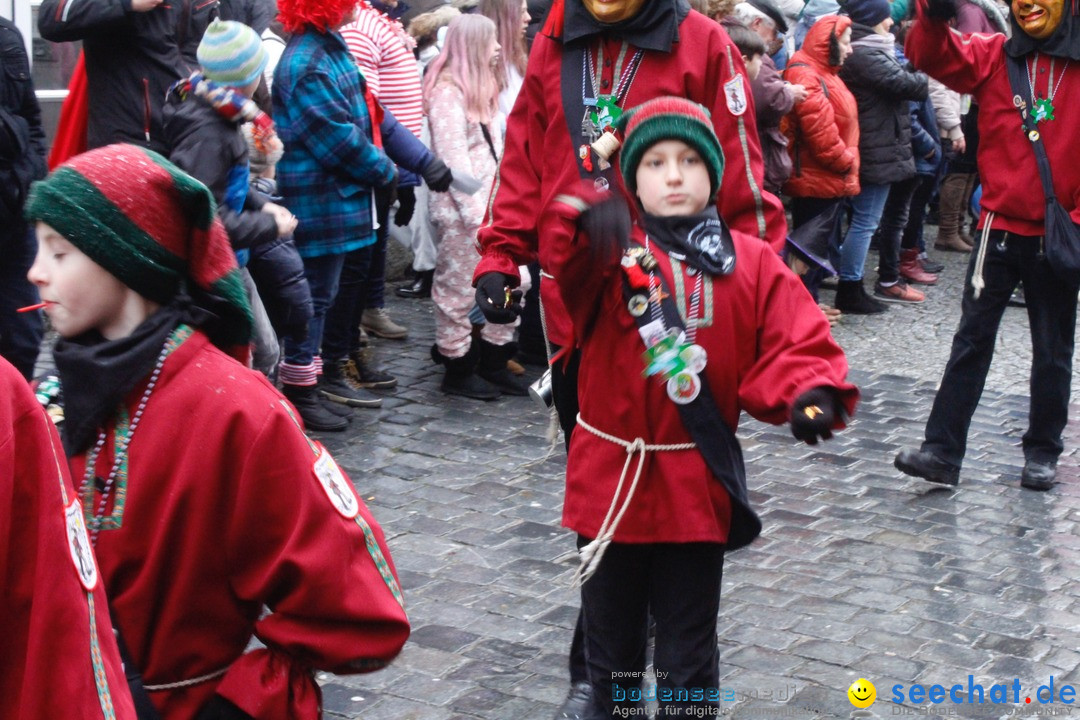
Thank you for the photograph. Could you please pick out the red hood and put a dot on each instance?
(816, 46)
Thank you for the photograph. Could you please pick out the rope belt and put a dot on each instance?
(188, 683)
(593, 552)
(977, 281)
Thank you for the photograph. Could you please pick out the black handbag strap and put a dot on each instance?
(1024, 103)
(144, 709)
(714, 438)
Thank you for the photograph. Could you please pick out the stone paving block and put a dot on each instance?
(984, 574)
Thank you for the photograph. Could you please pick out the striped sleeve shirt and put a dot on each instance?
(382, 50)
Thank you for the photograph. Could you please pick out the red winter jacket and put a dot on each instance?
(823, 130)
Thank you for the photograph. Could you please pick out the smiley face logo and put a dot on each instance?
(862, 693)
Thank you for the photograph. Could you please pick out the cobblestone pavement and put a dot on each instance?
(860, 572)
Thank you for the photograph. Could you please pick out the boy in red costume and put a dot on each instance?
(719, 325)
(205, 501)
(55, 631)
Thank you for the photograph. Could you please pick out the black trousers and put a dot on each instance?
(1051, 308)
(890, 232)
(679, 585)
(924, 190)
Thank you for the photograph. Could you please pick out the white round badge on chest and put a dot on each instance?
(684, 387)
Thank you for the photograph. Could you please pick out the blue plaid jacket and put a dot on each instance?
(330, 164)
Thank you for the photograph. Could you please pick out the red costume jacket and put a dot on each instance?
(221, 512)
(975, 64)
(767, 343)
(540, 163)
(59, 654)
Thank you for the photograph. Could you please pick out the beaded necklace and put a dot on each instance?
(95, 519)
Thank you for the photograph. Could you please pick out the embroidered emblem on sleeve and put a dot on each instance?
(79, 544)
(336, 487)
(735, 94)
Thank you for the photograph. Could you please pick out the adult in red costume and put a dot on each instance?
(60, 657)
(1011, 248)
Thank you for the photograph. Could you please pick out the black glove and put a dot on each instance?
(406, 198)
(491, 289)
(813, 414)
(437, 175)
(941, 9)
(221, 709)
(607, 224)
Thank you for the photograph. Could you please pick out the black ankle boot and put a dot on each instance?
(305, 398)
(461, 378)
(851, 297)
(420, 287)
(492, 367)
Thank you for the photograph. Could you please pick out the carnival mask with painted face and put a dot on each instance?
(613, 11)
(1038, 18)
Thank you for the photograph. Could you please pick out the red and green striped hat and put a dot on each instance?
(668, 118)
(151, 225)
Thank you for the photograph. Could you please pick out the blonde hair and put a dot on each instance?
(718, 9)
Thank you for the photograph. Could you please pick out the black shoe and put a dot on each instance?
(926, 465)
(851, 298)
(305, 398)
(364, 374)
(334, 386)
(338, 409)
(461, 378)
(420, 287)
(578, 704)
(1017, 298)
(492, 367)
(1038, 475)
(931, 266)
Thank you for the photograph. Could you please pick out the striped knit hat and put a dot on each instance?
(231, 54)
(668, 118)
(151, 225)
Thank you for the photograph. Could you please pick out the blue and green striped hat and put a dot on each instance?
(231, 54)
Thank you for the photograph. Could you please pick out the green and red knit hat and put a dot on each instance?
(668, 118)
(151, 225)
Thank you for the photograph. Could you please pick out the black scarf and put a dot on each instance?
(654, 27)
(702, 241)
(97, 374)
(1064, 43)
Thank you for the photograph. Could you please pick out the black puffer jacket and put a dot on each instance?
(132, 58)
(883, 89)
(212, 149)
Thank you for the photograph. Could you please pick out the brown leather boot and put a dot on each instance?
(951, 210)
(912, 270)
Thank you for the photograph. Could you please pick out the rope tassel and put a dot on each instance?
(592, 553)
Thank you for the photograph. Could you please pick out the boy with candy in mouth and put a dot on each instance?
(204, 500)
(682, 324)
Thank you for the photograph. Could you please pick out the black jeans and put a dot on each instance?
(1051, 308)
(891, 228)
(20, 333)
(341, 333)
(924, 190)
(679, 585)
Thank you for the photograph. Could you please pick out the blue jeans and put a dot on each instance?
(323, 274)
(867, 207)
(20, 333)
